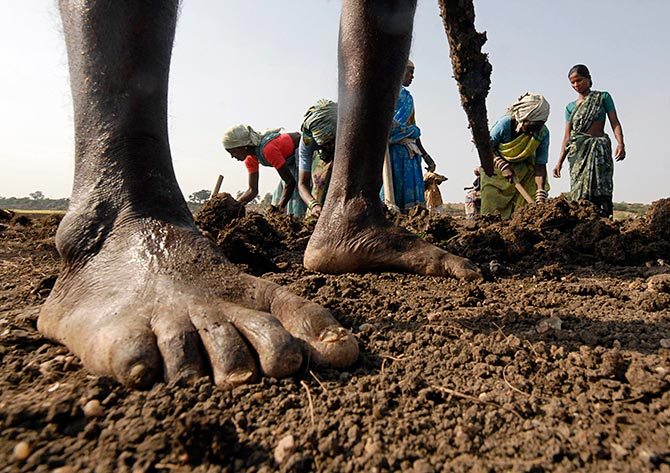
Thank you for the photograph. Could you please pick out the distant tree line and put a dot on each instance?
(635, 209)
(37, 201)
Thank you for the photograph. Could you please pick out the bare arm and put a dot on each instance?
(251, 193)
(289, 185)
(620, 153)
(430, 164)
(304, 187)
(561, 158)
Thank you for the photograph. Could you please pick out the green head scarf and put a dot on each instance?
(320, 123)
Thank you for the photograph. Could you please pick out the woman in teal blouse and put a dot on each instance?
(586, 145)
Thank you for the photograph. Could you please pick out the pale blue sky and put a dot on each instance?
(264, 62)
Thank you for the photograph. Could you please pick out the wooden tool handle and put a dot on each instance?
(522, 190)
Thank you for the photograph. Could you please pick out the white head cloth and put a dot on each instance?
(240, 135)
(529, 108)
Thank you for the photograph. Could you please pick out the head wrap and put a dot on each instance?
(529, 108)
(320, 123)
(240, 135)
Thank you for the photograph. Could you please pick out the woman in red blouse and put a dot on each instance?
(270, 148)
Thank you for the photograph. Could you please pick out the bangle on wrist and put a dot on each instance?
(501, 163)
(313, 203)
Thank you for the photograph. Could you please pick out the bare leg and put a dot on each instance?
(142, 295)
(352, 233)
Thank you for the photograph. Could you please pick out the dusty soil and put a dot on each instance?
(558, 361)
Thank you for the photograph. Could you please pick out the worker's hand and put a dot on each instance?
(315, 211)
(430, 164)
(557, 171)
(541, 196)
(314, 208)
(507, 173)
(620, 153)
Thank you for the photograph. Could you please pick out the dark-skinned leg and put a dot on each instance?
(142, 295)
(353, 234)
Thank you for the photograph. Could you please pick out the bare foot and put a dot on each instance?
(152, 301)
(355, 237)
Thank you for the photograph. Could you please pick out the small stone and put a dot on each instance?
(494, 266)
(63, 469)
(665, 342)
(284, 449)
(432, 317)
(546, 325)
(93, 408)
(619, 450)
(422, 466)
(21, 450)
(366, 328)
(649, 456)
(371, 447)
(659, 283)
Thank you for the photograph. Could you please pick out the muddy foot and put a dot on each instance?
(156, 301)
(355, 237)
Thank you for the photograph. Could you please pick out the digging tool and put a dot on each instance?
(217, 187)
(522, 190)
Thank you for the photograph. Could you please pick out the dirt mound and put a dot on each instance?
(561, 234)
(218, 212)
(259, 243)
(658, 219)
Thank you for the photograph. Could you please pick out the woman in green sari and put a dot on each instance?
(586, 145)
(520, 142)
(315, 154)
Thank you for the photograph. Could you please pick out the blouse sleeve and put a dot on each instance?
(542, 153)
(569, 108)
(251, 163)
(608, 102)
(498, 132)
(305, 154)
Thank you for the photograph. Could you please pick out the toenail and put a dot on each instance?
(188, 374)
(333, 335)
(239, 377)
(137, 374)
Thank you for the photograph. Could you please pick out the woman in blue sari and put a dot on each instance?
(406, 150)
